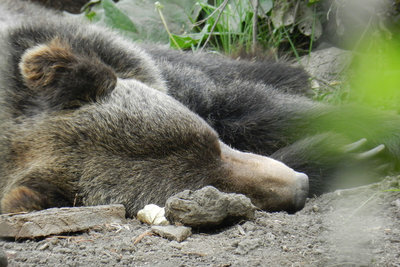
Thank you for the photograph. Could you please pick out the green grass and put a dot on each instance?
(219, 25)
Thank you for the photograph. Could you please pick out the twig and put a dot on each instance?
(140, 237)
(223, 5)
(367, 27)
(208, 17)
(159, 6)
(75, 198)
(194, 253)
(255, 22)
(361, 206)
(296, 8)
(15, 213)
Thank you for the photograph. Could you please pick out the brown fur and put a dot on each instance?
(73, 6)
(21, 199)
(48, 67)
(39, 65)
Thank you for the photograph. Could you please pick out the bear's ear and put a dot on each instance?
(61, 76)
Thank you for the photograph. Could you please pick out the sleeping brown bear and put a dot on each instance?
(90, 118)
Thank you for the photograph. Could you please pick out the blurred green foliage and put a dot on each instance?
(376, 78)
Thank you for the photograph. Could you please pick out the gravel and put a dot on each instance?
(357, 227)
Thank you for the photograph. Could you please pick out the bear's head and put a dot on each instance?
(124, 142)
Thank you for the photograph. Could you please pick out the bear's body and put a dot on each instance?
(89, 118)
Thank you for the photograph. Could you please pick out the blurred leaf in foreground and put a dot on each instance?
(376, 79)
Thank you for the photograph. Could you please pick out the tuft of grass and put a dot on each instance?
(232, 29)
(222, 25)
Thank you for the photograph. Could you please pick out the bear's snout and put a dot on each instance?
(271, 185)
(301, 189)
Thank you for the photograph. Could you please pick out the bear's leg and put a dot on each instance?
(22, 199)
(34, 194)
(330, 164)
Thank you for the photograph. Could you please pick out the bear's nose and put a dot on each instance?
(301, 190)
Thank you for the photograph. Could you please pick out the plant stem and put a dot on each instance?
(223, 5)
(255, 22)
(159, 6)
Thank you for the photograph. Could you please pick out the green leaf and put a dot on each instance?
(266, 5)
(183, 41)
(190, 40)
(90, 4)
(90, 10)
(92, 16)
(309, 24)
(283, 13)
(115, 18)
(311, 2)
(144, 18)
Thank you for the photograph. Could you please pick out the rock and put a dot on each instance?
(270, 236)
(3, 259)
(315, 208)
(44, 246)
(153, 215)
(285, 248)
(59, 220)
(246, 245)
(396, 203)
(327, 64)
(208, 207)
(172, 232)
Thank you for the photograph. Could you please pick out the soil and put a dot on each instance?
(355, 227)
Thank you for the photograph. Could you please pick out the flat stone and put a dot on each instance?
(208, 207)
(59, 220)
(172, 232)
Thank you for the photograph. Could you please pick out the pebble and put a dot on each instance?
(153, 215)
(172, 232)
(246, 245)
(269, 236)
(44, 246)
(396, 203)
(176, 245)
(240, 229)
(63, 250)
(52, 240)
(249, 226)
(3, 259)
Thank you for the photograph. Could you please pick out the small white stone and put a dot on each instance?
(315, 84)
(153, 215)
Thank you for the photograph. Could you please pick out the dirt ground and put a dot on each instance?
(356, 227)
